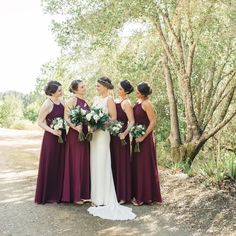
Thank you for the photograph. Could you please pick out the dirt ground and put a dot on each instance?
(189, 208)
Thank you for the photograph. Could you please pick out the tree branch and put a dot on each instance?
(219, 126)
(216, 103)
(178, 42)
(166, 46)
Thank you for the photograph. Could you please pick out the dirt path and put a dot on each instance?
(189, 209)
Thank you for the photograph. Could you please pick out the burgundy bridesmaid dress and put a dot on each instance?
(145, 179)
(120, 161)
(76, 185)
(51, 163)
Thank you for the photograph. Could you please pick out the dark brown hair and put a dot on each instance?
(74, 85)
(51, 87)
(127, 86)
(144, 89)
(106, 82)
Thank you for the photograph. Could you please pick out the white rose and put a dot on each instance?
(88, 116)
(83, 112)
(96, 117)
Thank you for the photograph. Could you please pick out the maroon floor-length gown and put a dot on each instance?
(51, 163)
(76, 185)
(120, 160)
(145, 179)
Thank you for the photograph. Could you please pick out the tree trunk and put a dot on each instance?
(174, 137)
(189, 151)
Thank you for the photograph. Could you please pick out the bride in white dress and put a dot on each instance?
(103, 195)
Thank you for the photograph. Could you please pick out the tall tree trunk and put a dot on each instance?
(174, 138)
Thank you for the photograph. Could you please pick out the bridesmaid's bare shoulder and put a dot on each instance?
(71, 102)
(47, 106)
(127, 104)
(146, 105)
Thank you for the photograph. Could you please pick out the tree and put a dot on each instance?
(195, 42)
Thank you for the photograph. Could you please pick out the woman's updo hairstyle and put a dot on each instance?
(126, 85)
(74, 85)
(106, 82)
(51, 87)
(144, 89)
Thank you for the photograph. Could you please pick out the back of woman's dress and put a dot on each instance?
(102, 186)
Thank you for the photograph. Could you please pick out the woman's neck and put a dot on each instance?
(122, 98)
(140, 100)
(79, 96)
(55, 99)
(103, 95)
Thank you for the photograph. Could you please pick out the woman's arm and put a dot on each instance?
(43, 112)
(128, 109)
(148, 108)
(111, 108)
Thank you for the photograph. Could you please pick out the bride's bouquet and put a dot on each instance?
(137, 131)
(77, 116)
(115, 128)
(96, 119)
(59, 123)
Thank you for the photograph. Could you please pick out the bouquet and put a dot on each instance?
(115, 128)
(59, 123)
(137, 131)
(96, 119)
(77, 117)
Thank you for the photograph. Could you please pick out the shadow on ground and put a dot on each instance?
(189, 209)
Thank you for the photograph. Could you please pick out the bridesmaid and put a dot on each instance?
(51, 164)
(76, 186)
(120, 154)
(145, 179)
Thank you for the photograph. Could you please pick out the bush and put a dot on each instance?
(10, 109)
(31, 112)
(231, 168)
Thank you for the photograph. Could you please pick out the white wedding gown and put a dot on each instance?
(102, 186)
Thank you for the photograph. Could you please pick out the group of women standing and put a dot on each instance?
(102, 171)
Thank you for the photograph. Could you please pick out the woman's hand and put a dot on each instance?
(79, 128)
(121, 136)
(139, 139)
(56, 132)
(90, 130)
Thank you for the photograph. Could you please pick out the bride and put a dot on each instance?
(103, 195)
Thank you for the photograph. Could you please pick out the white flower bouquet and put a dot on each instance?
(136, 131)
(59, 123)
(77, 116)
(115, 128)
(96, 118)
